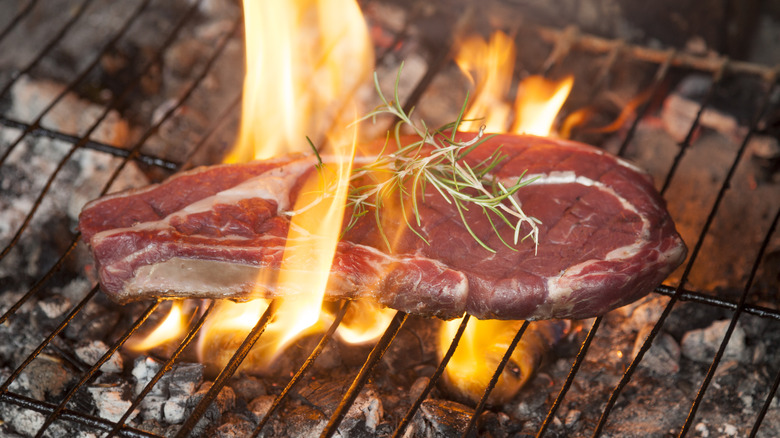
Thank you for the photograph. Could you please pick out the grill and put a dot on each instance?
(604, 56)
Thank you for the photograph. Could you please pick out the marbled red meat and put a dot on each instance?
(605, 239)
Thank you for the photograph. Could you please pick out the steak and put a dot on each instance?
(605, 238)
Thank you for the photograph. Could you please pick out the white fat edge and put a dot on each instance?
(556, 287)
(274, 184)
(132, 258)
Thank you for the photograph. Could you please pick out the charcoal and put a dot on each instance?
(44, 379)
(171, 398)
(701, 345)
(54, 306)
(248, 388)
(439, 418)
(225, 401)
(234, 426)
(260, 406)
(90, 352)
(365, 413)
(663, 357)
(418, 387)
(112, 401)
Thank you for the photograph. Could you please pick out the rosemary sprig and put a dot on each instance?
(407, 173)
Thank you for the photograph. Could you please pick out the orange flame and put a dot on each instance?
(489, 66)
(170, 328)
(305, 61)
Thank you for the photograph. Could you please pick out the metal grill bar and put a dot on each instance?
(228, 371)
(699, 298)
(766, 404)
(716, 80)
(50, 45)
(354, 389)
(699, 242)
(399, 431)
(91, 372)
(88, 144)
(660, 75)
(17, 19)
(326, 338)
(493, 380)
(570, 377)
(167, 366)
(730, 329)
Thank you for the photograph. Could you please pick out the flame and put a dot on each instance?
(482, 347)
(539, 100)
(489, 66)
(364, 321)
(305, 61)
(172, 326)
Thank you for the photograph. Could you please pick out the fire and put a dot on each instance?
(305, 61)
(537, 104)
(169, 329)
(489, 66)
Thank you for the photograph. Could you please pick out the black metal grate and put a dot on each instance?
(564, 43)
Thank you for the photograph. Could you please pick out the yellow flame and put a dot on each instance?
(169, 329)
(538, 103)
(364, 322)
(483, 345)
(305, 61)
(490, 65)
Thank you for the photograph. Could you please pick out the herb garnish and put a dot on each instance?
(407, 172)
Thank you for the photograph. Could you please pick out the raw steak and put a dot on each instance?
(605, 240)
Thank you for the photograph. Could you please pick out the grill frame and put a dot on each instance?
(564, 41)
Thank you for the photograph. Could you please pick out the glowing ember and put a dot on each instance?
(169, 329)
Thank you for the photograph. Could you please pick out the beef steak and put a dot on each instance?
(605, 239)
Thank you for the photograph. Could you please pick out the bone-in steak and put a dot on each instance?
(605, 240)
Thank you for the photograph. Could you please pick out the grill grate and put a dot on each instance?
(564, 43)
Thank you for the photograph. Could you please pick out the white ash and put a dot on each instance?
(663, 357)
(91, 351)
(171, 396)
(54, 306)
(112, 401)
(71, 115)
(701, 345)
